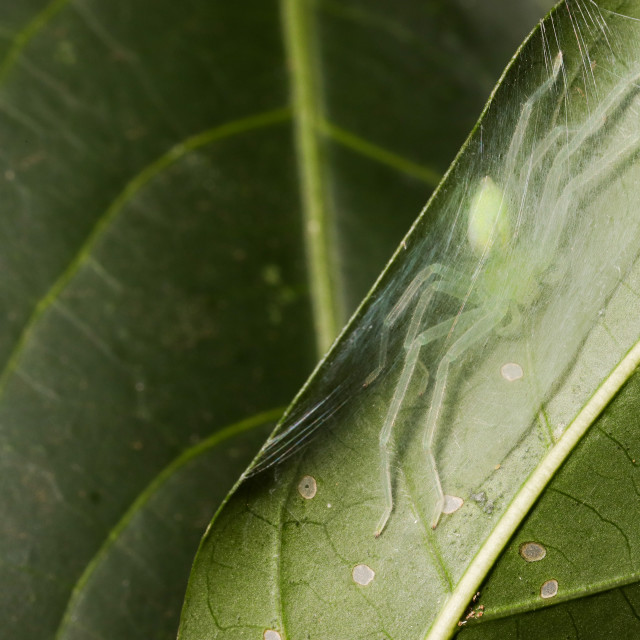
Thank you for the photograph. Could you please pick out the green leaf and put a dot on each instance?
(150, 549)
(155, 289)
(526, 342)
(128, 260)
(588, 523)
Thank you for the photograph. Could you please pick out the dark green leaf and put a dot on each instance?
(154, 286)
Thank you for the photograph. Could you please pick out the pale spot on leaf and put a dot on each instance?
(511, 371)
(532, 551)
(549, 589)
(452, 504)
(362, 574)
(307, 487)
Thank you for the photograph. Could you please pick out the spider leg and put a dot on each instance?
(604, 166)
(525, 114)
(424, 372)
(452, 285)
(542, 151)
(433, 333)
(599, 118)
(485, 324)
(402, 305)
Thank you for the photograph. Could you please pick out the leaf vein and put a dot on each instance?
(178, 151)
(324, 281)
(27, 33)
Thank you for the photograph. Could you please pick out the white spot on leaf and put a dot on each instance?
(451, 504)
(362, 574)
(549, 589)
(532, 551)
(307, 487)
(511, 371)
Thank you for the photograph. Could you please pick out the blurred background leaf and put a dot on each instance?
(157, 299)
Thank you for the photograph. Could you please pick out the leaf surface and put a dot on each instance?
(588, 525)
(155, 284)
(540, 339)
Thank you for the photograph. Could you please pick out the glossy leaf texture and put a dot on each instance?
(503, 326)
(157, 302)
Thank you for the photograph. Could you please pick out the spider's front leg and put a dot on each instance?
(414, 288)
(412, 349)
(481, 323)
(438, 331)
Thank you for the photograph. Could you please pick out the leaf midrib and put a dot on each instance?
(526, 497)
(299, 40)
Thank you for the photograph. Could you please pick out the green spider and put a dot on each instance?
(528, 203)
(506, 279)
